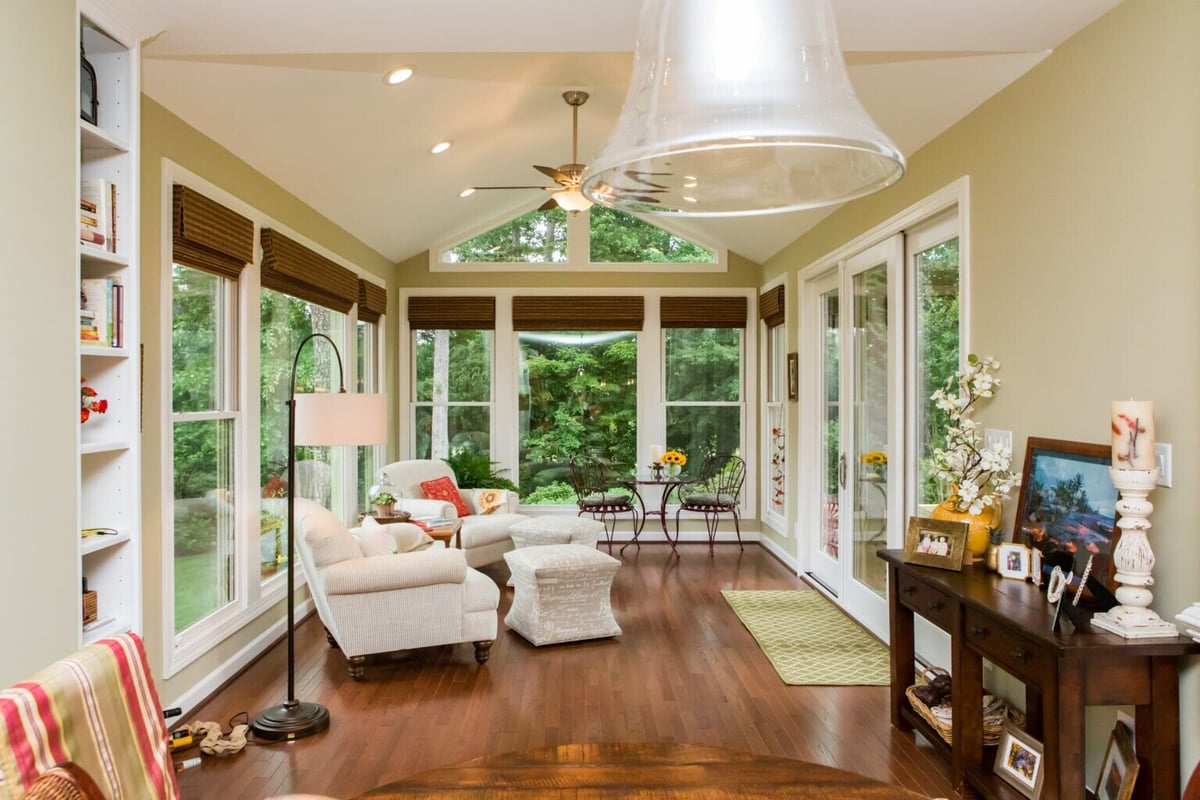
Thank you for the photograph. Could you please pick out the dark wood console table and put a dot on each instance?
(1008, 623)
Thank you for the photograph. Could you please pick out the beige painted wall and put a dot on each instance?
(166, 136)
(1085, 257)
(39, 572)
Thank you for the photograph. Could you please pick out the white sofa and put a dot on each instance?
(485, 538)
(383, 603)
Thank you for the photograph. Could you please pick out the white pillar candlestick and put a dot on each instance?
(1133, 434)
(1134, 560)
(656, 453)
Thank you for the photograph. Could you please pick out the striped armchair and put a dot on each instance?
(399, 601)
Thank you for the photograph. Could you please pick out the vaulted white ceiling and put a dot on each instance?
(294, 88)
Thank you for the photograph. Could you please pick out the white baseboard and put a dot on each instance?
(200, 692)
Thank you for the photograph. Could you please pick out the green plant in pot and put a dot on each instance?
(385, 504)
(474, 469)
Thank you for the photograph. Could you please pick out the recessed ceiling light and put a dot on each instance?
(467, 192)
(397, 75)
(690, 184)
(689, 199)
(440, 147)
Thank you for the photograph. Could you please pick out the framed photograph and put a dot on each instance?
(1019, 761)
(1068, 503)
(1118, 772)
(793, 376)
(935, 543)
(1014, 561)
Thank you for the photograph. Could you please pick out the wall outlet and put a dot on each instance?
(995, 439)
(1162, 458)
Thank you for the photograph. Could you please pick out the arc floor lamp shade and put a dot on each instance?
(739, 108)
(341, 418)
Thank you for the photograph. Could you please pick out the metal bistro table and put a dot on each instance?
(670, 485)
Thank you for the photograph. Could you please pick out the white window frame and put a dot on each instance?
(372, 383)
(774, 408)
(414, 403)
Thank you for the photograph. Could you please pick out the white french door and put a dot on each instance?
(854, 470)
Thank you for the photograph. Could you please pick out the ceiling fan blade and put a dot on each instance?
(548, 205)
(545, 188)
(553, 174)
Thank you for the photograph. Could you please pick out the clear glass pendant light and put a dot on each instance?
(739, 107)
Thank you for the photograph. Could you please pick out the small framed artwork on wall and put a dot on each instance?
(793, 376)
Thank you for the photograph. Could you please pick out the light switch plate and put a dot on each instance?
(1162, 457)
(995, 439)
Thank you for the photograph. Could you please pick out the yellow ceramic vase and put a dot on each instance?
(979, 526)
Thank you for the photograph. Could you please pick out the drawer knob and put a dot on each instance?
(1020, 655)
(936, 605)
(979, 630)
(908, 590)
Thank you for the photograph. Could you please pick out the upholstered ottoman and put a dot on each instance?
(562, 593)
(537, 531)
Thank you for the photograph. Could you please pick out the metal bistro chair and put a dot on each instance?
(716, 492)
(594, 490)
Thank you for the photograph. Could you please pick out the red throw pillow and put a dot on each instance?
(444, 489)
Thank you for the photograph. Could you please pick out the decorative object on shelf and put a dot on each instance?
(761, 84)
(978, 475)
(90, 606)
(90, 402)
(935, 543)
(656, 470)
(793, 376)
(1019, 760)
(1190, 617)
(656, 461)
(383, 494)
(318, 420)
(1067, 502)
(674, 462)
(778, 466)
(1013, 561)
(1133, 435)
(932, 702)
(1119, 770)
(88, 101)
(992, 559)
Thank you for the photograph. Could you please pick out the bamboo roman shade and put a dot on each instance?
(452, 313)
(771, 307)
(292, 268)
(372, 301)
(208, 236)
(703, 312)
(555, 313)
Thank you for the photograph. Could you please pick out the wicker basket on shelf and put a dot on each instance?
(993, 719)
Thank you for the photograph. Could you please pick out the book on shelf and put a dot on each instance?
(97, 203)
(102, 311)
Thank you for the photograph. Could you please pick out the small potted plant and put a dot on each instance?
(385, 504)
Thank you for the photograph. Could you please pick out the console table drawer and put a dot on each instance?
(930, 603)
(1007, 649)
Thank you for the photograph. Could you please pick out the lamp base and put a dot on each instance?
(1134, 623)
(290, 720)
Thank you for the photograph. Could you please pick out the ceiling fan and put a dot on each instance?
(566, 176)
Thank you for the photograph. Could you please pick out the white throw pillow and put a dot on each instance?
(373, 539)
(402, 536)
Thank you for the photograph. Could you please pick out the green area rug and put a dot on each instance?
(809, 641)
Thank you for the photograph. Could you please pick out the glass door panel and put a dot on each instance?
(828, 470)
(869, 447)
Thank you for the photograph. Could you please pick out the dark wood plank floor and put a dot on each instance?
(685, 670)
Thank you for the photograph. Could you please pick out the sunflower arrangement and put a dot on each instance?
(876, 461)
(674, 457)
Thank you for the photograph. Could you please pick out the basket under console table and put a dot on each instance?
(1008, 623)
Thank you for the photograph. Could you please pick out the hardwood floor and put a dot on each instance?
(685, 670)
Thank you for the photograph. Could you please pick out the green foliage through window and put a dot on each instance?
(618, 237)
(539, 237)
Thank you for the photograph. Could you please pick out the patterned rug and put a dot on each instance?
(809, 641)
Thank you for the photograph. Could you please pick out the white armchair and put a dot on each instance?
(485, 538)
(383, 603)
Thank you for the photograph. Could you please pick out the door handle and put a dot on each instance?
(842, 470)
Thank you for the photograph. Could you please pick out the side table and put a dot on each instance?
(670, 486)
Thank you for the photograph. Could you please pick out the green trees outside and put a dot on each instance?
(618, 237)
(539, 237)
(937, 353)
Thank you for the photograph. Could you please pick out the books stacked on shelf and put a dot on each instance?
(1190, 617)
(433, 523)
(102, 312)
(98, 214)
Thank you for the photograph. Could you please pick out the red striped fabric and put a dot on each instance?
(98, 708)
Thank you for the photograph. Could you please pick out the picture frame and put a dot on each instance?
(1054, 469)
(1118, 771)
(793, 376)
(1020, 761)
(1013, 561)
(935, 543)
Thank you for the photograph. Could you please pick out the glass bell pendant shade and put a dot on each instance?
(738, 108)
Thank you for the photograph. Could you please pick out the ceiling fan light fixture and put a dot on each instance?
(753, 99)
(571, 199)
(397, 75)
(440, 148)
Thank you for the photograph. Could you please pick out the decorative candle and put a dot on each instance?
(656, 453)
(1133, 434)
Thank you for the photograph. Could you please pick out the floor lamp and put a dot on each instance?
(317, 420)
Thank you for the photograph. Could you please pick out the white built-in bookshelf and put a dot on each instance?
(109, 480)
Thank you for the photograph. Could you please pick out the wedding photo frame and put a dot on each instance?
(935, 543)
(1067, 502)
(1020, 761)
(1014, 561)
(1118, 772)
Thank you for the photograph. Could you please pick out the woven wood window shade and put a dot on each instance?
(452, 313)
(771, 309)
(208, 236)
(372, 301)
(552, 313)
(292, 268)
(703, 312)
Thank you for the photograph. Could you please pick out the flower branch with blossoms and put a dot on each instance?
(978, 474)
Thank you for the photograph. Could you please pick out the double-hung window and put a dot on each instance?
(772, 312)
(372, 305)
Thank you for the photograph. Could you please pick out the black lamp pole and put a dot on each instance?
(293, 719)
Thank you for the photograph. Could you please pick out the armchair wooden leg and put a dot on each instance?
(358, 667)
(332, 641)
(483, 651)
